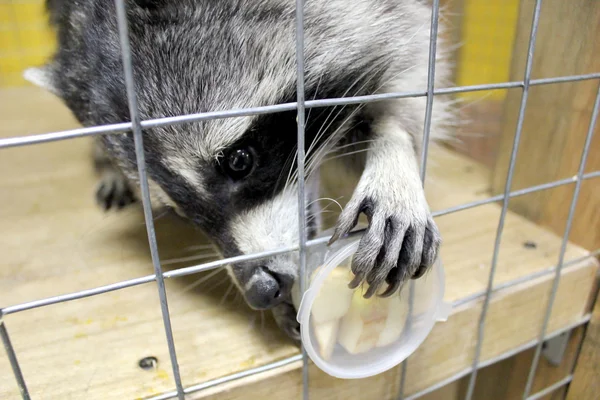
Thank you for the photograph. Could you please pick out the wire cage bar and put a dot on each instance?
(563, 248)
(433, 33)
(14, 363)
(242, 112)
(247, 257)
(505, 201)
(542, 393)
(134, 115)
(301, 175)
(136, 125)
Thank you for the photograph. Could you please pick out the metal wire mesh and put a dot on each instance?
(301, 181)
(136, 126)
(141, 163)
(508, 185)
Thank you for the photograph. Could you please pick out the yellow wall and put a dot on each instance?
(488, 33)
(25, 39)
(488, 30)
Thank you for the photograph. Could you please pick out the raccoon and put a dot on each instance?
(235, 178)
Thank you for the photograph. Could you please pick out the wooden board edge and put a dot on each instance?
(268, 377)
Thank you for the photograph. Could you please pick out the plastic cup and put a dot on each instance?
(405, 326)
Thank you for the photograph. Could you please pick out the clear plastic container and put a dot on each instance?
(350, 337)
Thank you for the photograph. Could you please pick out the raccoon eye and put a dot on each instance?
(239, 163)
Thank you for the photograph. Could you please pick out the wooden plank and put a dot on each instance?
(507, 379)
(503, 380)
(556, 119)
(447, 351)
(55, 240)
(586, 379)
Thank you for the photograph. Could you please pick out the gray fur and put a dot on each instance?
(195, 56)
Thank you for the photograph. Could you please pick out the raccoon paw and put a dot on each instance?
(400, 243)
(113, 191)
(285, 317)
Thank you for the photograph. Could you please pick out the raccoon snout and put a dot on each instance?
(266, 289)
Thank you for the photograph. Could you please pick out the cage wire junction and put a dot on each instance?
(136, 126)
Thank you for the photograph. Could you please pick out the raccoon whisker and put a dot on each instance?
(291, 160)
(226, 294)
(315, 96)
(324, 146)
(322, 211)
(213, 286)
(324, 150)
(324, 128)
(325, 209)
(326, 125)
(319, 158)
(188, 258)
(465, 104)
(475, 135)
(315, 215)
(294, 153)
(337, 150)
(237, 296)
(352, 144)
(197, 282)
(344, 155)
(226, 278)
(313, 159)
(326, 198)
(359, 108)
(333, 136)
(251, 321)
(290, 176)
(372, 71)
(293, 175)
(319, 199)
(376, 67)
(157, 216)
(199, 247)
(409, 39)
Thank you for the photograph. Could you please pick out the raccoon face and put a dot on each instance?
(233, 177)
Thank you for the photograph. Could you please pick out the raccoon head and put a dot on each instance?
(232, 177)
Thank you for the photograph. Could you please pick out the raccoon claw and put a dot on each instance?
(285, 317)
(114, 191)
(397, 245)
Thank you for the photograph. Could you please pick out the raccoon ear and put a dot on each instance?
(42, 77)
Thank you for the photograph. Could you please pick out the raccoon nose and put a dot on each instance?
(266, 289)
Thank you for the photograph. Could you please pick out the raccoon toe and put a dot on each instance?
(397, 245)
(114, 191)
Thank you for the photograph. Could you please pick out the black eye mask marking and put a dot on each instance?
(270, 143)
(254, 169)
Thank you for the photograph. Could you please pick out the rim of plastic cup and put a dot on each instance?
(303, 316)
